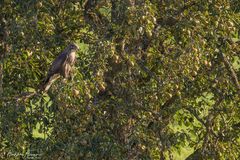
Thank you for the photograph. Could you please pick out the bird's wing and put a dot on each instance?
(57, 63)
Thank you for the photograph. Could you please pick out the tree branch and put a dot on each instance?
(231, 71)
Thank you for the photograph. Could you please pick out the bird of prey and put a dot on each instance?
(61, 66)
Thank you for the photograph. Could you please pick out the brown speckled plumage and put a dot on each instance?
(62, 65)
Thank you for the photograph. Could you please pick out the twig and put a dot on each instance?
(26, 95)
(231, 70)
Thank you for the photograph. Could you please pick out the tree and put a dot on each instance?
(152, 78)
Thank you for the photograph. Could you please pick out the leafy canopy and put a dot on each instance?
(153, 79)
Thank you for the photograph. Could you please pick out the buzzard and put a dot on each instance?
(61, 66)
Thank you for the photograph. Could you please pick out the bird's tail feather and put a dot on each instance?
(48, 82)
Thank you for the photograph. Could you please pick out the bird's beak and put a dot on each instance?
(77, 47)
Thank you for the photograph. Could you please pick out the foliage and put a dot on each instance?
(152, 79)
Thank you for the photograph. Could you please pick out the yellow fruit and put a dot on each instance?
(206, 63)
(209, 64)
(131, 63)
(197, 21)
(230, 24)
(197, 59)
(102, 87)
(89, 95)
(39, 4)
(98, 73)
(196, 67)
(116, 58)
(195, 49)
(178, 93)
(75, 92)
(176, 86)
(143, 147)
(169, 95)
(29, 53)
(194, 73)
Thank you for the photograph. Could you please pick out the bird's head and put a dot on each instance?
(73, 47)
